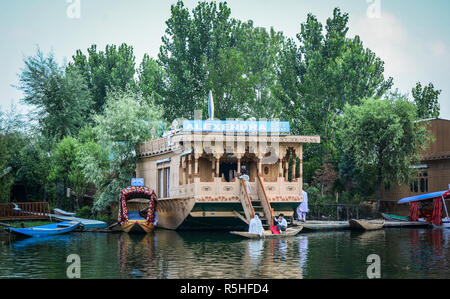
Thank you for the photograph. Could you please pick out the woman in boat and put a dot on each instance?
(255, 226)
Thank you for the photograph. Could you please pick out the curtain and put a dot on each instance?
(436, 219)
(414, 211)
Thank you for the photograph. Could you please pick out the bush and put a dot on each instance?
(84, 212)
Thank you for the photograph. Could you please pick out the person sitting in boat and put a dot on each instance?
(303, 208)
(255, 226)
(281, 223)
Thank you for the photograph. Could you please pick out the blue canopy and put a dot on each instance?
(422, 197)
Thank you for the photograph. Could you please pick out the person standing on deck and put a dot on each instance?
(303, 208)
(256, 226)
(246, 178)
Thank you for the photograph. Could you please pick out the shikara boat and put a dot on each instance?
(396, 218)
(438, 201)
(290, 232)
(142, 221)
(46, 230)
(366, 224)
(63, 213)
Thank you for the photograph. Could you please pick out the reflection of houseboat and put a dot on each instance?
(197, 173)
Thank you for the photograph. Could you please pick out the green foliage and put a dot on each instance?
(60, 94)
(66, 169)
(109, 159)
(11, 140)
(112, 69)
(426, 100)
(208, 50)
(85, 212)
(324, 73)
(382, 138)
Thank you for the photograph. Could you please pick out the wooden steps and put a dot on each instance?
(262, 207)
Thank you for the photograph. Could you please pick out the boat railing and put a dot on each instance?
(24, 210)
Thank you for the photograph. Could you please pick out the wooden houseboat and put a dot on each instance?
(197, 170)
(433, 173)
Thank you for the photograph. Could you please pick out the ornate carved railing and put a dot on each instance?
(246, 202)
(268, 211)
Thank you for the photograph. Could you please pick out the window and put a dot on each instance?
(416, 187)
(163, 182)
(167, 170)
(422, 185)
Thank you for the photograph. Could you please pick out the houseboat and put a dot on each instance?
(212, 174)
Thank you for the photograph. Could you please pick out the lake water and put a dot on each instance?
(404, 253)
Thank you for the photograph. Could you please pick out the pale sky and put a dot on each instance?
(412, 37)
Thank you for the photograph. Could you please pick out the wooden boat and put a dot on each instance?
(46, 230)
(438, 201)
(392, 217)
(136, 226)
(198, 173)
(137, 221)
(290, 232)
(63, 213)
(366, 224)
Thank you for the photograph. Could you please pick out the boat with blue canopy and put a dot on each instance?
(423, 197)
(46, 230)
(434, 215)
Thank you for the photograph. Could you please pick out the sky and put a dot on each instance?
(411, 37)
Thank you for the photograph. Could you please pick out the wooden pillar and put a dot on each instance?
(238, 164)
(301, 169)
(197, 156)
(217, 156)
(286, 168)
(189, 167)
(280, 164)
(213, 167)
(183, 164)
(259, 165)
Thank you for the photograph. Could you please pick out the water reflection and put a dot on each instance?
(405, 253)
(302, 251)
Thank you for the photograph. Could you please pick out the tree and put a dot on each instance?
(208, 50)
(108, 158)
(12, 139)
(383, 138)
(324, 73)
(61, 95)
(66, 170)
(426, 100)
(112, 69)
